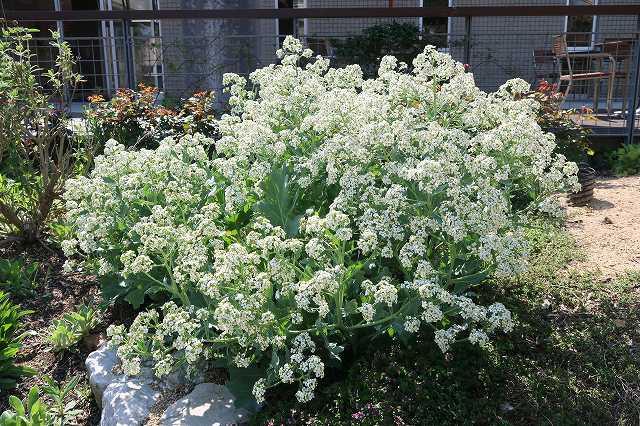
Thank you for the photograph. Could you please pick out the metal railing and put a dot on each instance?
(195, 47)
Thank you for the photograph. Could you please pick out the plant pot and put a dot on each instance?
(587, 180)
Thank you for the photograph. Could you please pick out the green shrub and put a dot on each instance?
(33, 411)
(625, 160)
(63, 408)
(69, 330)
(571, 138)
(402, 40)
(335, 210)
(134, 119)
(18, 278)
(10, 343)
(37, 150)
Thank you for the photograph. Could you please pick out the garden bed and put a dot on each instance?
(573, 358)
(335, 249)
(57, 293)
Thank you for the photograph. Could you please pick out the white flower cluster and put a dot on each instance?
(329, 204)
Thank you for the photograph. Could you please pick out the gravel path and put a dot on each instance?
(608, 229)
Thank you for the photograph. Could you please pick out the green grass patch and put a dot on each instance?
(573, 358)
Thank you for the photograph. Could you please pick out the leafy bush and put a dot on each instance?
(10, 343)
(402, 40)
(625, 160)
(63, 407)
(34, 410)
(335, 210)
(37, 152)
(17, 277)
(68, 331)
(30, 412)
(525, 380)
(571, 138)
(135, 118)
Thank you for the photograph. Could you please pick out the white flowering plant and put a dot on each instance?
(333, 209)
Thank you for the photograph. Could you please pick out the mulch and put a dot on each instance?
(57, 293)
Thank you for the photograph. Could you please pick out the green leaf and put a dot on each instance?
(33, 397)
(279, 200)
(241, 381)
(113, 287)
(135, 297)
(16, 404)
(275, 361)
(463, 283)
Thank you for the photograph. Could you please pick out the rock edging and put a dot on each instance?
(128, 400)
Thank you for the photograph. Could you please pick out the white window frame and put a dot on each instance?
(594, 27)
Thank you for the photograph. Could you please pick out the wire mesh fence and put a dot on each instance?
(592, 58)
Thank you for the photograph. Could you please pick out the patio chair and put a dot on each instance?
(563, 54)
(622, 51)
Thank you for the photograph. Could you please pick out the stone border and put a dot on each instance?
(129, 400)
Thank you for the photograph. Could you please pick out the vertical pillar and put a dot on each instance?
(632, 103)
(467, 40)
(128, 53)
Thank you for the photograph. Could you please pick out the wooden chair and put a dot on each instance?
(562, 53)
(622, 51)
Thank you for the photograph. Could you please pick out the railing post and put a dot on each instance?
(632, 103)
(467, 40)
(128, 54)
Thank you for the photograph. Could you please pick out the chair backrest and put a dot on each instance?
(559, 47)
(618, 47)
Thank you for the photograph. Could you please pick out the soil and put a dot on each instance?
(608, 229)
(57, 293)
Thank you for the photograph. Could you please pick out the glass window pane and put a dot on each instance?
(579, 28)
(140, 5)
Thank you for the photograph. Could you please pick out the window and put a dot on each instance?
(581, 29)
(147, 45)
(284, 27)
(435, 29)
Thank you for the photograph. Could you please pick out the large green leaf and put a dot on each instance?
(131, 289)
(241, 381)
(461, 284)
(279, 201)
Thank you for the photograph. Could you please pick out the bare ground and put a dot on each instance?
(608, 229)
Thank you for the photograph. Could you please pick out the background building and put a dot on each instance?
(183, 56)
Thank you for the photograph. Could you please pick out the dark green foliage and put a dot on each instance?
(571, 138)
(572, 359)
(136, 119)
(625, 160)
(402, 40)
(10, 343)
(18, 278)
